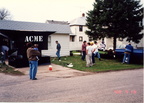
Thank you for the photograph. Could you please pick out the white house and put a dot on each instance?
(78, 28)
(61, 35)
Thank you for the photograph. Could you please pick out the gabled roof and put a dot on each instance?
(78, 21)
(57, 22)
(31, 26)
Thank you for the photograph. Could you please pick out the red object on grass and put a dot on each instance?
(50, 68)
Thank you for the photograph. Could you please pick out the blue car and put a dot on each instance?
(136, 56)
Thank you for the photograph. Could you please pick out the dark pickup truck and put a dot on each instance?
(136, 56)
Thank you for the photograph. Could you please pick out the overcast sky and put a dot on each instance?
(42, 10)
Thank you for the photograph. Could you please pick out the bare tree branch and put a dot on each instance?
(4, 14)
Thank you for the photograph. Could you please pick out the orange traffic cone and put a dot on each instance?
(50, 68)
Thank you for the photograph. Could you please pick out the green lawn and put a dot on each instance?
(100, 66)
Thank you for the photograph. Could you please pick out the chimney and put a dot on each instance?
(83, 14)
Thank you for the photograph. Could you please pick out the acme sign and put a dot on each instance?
(34, 39)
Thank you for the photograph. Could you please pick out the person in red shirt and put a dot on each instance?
(84, 50)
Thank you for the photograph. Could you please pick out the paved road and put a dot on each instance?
(111, 87)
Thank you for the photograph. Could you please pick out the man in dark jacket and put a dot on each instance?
(58, 47)
(127, 53)
(33, 61)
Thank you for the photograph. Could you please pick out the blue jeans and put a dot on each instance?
(33, 69)
(93, 58)
(126, 56)
(58, 54)
(83, 55)
(98, 54)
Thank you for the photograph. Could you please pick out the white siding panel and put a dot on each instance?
(77, 45)
(63, 39)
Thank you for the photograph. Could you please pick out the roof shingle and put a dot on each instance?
(31, 26)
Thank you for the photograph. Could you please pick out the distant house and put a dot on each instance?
(62, 37)
(78, 28)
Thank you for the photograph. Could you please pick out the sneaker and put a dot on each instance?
(34, 79)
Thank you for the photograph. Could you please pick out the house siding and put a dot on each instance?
(63, 39)
(76, 45)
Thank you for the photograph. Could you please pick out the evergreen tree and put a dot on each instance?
(115, 18)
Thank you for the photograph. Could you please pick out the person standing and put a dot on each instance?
(33, 61)
(93, 49)
(127, 53)
(83, 50)
(58, 47)
(89, 50)
(102, 46)
(4, 51)
(96, 52)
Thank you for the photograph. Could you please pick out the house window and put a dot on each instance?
(80, 38)
(49, 40)
(80, 28)
(72, 38)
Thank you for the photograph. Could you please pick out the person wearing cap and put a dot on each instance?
(127, 53)
(89, 50)
(93, 49)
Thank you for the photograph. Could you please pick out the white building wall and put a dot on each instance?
(76, 45)
(63, 39)
(121, 44)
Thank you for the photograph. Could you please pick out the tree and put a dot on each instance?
(4, 14)
(115, 18)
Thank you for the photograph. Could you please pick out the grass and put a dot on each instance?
(9, 70)
(101, 66)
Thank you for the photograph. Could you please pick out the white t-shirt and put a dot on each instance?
(102, 45)
(96, 48)
(89, 49)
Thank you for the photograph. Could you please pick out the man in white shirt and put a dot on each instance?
(96, 52)
(89, 50)
(102, 46)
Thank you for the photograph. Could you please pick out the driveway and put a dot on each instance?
(57, 71)
(67, 85)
